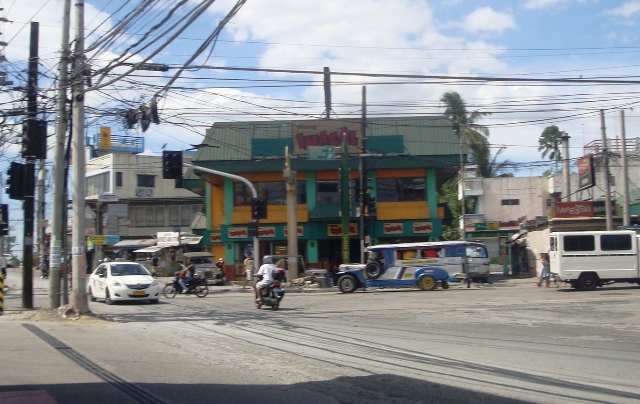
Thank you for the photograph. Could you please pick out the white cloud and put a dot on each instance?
(486, 19)
(539, 4)
(626, 10)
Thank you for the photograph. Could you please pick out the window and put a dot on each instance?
(274, 192)
(506, 202)
(118, 178)
(146, 181)
(401, 189)
(579, 243)
(160, 216)
(327, 192)
(615, 242)
(97, 184)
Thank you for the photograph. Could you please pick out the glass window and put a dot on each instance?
(327, 192)
(146, 181)
(579, 243)
(118, 178)
(401, 189)
(97, 184)
(615, 242)
(275, 193)
(510, 202)
(477, 252)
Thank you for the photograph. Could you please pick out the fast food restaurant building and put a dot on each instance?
(404, 161)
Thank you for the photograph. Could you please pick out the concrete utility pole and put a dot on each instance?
(40, 206)
(363, 174)
(463, 206)
(344, 197)
(58, 203)
(625, 174)
(566, 171)
(292, 217)
(78, 250)
(605, 159)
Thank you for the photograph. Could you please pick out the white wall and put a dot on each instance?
(531, 192)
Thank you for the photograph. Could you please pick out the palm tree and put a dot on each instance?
(472, 135)
(549, 141)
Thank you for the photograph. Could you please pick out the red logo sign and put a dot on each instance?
(238, 232)
(423, 227)
(574, 209)
(392, 228)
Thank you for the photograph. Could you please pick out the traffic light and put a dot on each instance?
(16, 180)
(4, 219)
(258, 208)
(34, 139)
(171, 165)
(370, 203)
(253, 229)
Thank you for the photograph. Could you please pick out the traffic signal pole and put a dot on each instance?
(254, 194)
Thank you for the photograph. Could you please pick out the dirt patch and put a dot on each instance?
(54, 315)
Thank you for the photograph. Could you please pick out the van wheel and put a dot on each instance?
(427, 282)
(588, 281)
(347, 284)
(373, 270)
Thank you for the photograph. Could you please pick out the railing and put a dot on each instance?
(614, 145)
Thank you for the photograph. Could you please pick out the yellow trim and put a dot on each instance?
(403, 210)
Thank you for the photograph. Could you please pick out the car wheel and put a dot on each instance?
(373, 270)
(347, 284)
(445, 285)
(201, 290)
(107, 297)
(91, 296)
(588, 281)
(427, 282)
(169, 291)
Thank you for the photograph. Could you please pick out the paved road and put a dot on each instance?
(504, 342)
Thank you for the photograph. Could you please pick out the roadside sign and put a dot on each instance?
(321, 152)
(108, 198)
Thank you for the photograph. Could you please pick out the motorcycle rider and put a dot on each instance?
(264, 274)
(190, 274)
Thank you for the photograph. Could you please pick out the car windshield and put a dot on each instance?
(128, 269)
(476, 252)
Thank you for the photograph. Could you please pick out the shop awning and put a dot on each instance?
(134, 244)
(515, 237)
(151, 249)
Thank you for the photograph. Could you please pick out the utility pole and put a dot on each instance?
(363, 174)
(59, 203)
(463, 207)
(344, 197)
(78, 250)
(40, 204)
(625, 173)
(29, 180)
(605, 158)
(292, 216)
(566, 173)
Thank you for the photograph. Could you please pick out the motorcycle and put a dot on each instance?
(272, 294)
(195, 286)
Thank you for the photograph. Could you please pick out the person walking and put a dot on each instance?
(545, 270)
(248, 269)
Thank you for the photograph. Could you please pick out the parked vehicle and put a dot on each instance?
(206, 268)
(272, 294)
(425, 265)
(196, 286)
(588, 259)
(122, 281)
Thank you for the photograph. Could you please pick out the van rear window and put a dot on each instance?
(615, 242)
(579, 243)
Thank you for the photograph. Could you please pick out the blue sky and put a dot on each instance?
(542, 39)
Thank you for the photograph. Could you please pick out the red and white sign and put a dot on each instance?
(238, 232)
(574, 209)
(215, 237)
(392, 228)
(300, 231)
(266, 232)
(422, 227)
(336, 229)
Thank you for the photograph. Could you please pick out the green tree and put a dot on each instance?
(471, 134)
(549, 141)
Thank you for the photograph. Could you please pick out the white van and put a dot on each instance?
(588, 259)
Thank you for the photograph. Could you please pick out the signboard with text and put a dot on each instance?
(326, 132)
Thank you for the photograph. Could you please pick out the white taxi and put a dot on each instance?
(122, 281)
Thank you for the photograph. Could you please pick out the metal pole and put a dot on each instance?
(40, 204)
(29, 180)
(78, 246)
(463, 207)
(605, 158)
(625, 174)
(344, 198)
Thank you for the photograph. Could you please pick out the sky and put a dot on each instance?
(474, 47)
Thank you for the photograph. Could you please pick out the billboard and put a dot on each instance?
(586, 173)
(326, 132)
